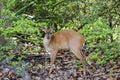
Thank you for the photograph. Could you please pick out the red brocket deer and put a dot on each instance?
(64, 39)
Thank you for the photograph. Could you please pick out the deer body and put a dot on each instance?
(64, 39)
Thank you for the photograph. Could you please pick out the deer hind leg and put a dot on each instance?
(52, 59)
(82, 57)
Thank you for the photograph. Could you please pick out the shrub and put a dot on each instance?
(97, 37)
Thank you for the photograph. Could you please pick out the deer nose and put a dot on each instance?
(48, 36)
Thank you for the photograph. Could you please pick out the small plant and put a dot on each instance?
(79, 64)
(111, 70)
(14, 63)
(2, 56)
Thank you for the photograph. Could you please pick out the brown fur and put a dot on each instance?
(65, 39)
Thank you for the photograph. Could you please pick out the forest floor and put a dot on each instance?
(36, 67)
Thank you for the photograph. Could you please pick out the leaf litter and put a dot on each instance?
(36, 67)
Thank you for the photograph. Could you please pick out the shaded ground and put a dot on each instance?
(36, 67)
(33, 67)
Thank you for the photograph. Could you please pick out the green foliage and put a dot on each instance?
(6, 52)
(23, 29)
(14, 63)
(8, 3)
(98, 37)
(2, 56)
(79, 64)
(97, 32)
(20, 70)
(23, 26)
(97, 20)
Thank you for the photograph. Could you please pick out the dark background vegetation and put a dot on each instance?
(97, 20)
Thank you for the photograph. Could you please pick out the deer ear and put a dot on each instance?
(52, 26)
(43, 29)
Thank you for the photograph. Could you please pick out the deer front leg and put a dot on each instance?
(52, 59)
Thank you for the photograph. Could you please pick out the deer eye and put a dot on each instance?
(49, 33)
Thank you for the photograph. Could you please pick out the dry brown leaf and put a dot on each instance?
(116, 66)
(1, 74)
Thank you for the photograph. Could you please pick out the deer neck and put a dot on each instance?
(46, 43)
